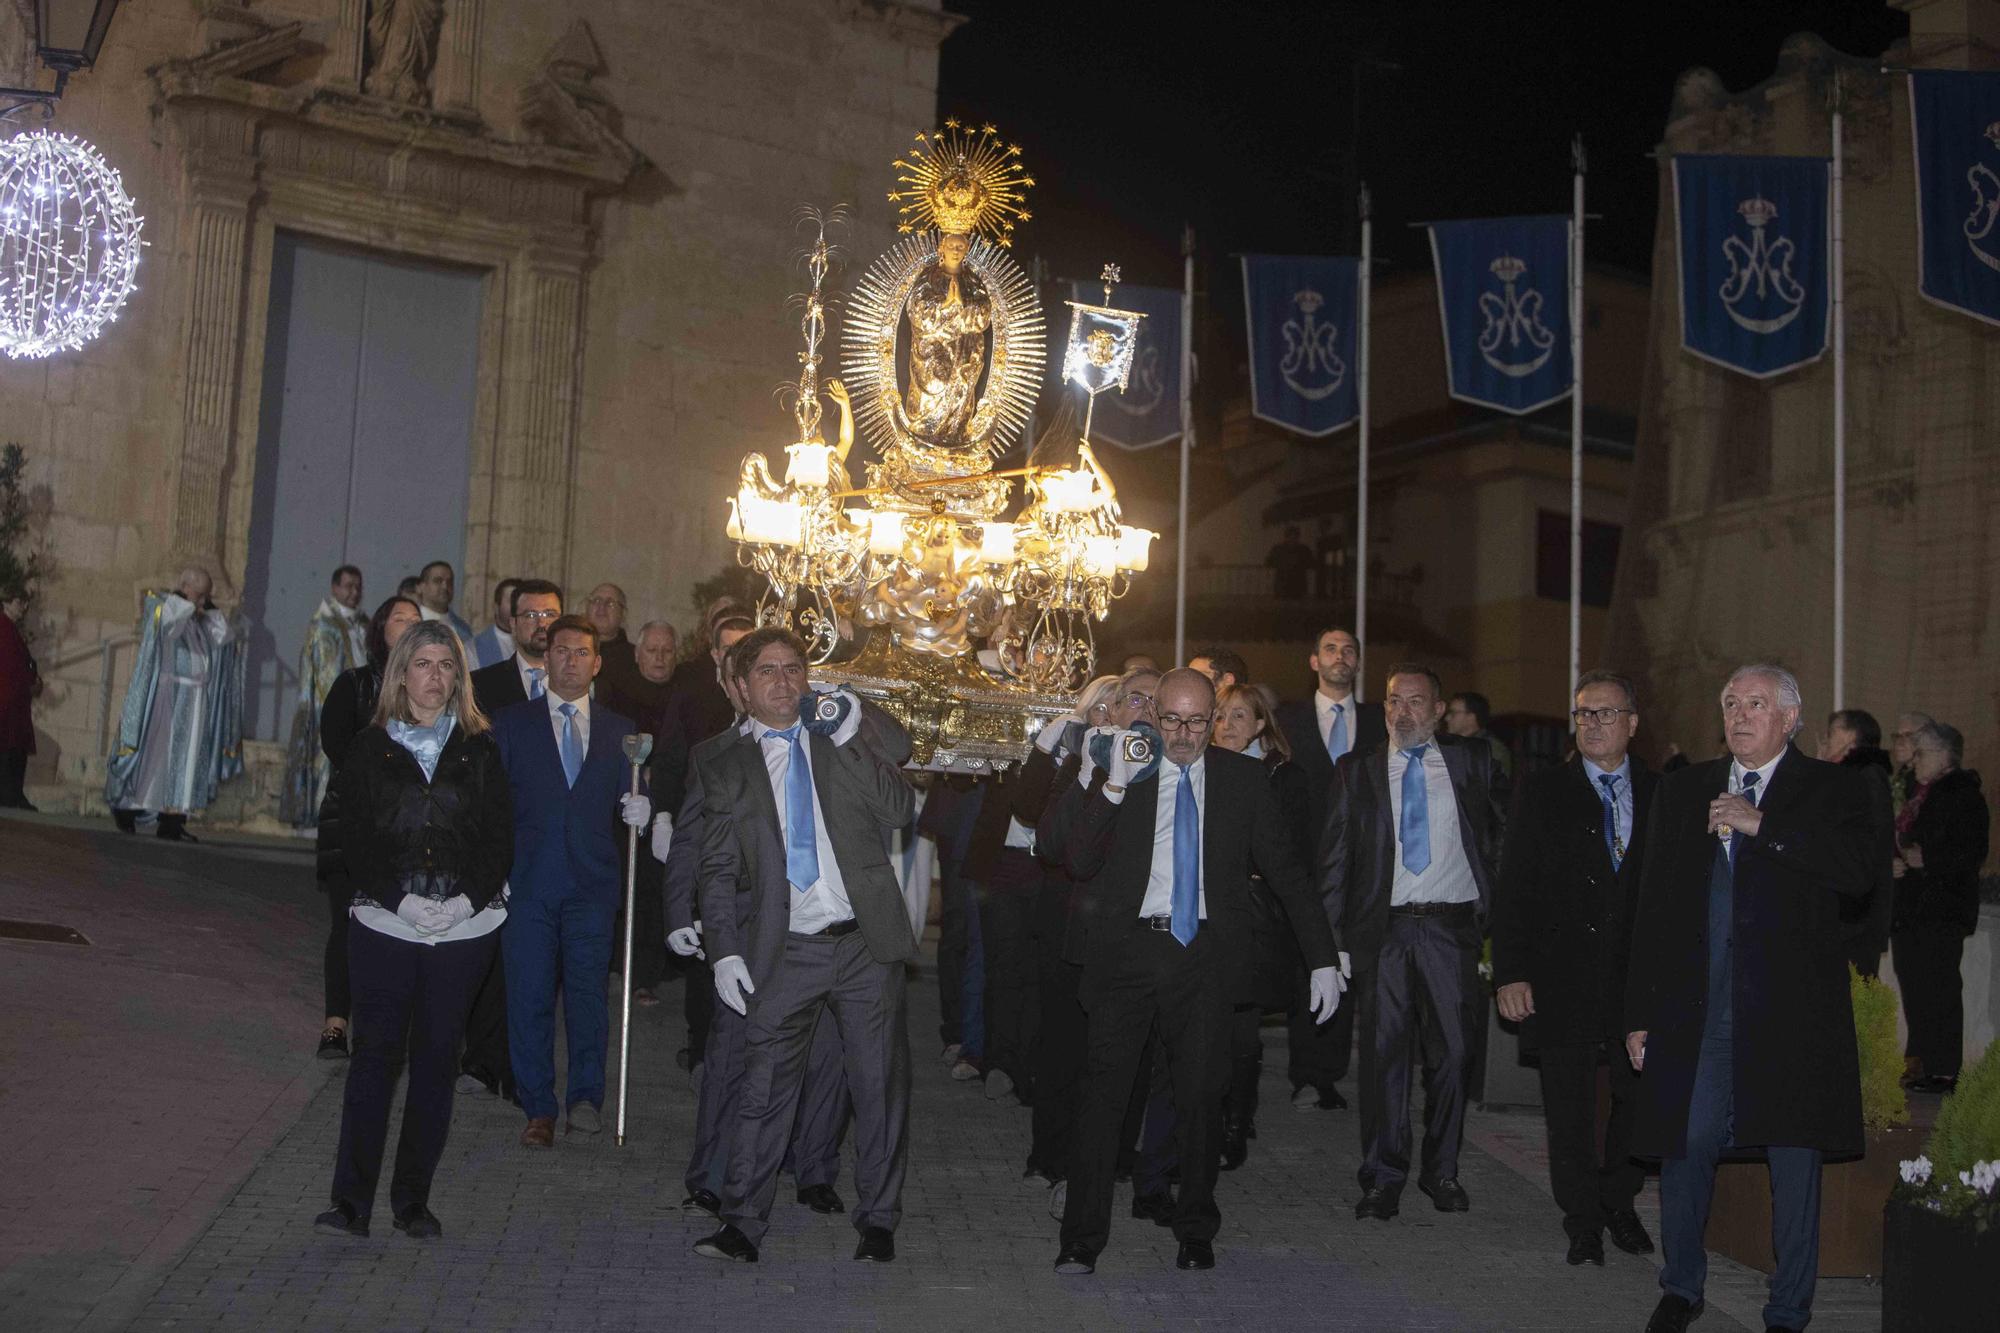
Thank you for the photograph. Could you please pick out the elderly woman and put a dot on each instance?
(1941, 843)
(427, 832)
(349, 706)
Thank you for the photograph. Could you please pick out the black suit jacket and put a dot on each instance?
(1561, 914)
(1109, 852)
(1299, 720)
(1358, 849)
(498, 686)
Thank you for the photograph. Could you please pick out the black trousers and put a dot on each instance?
(1059, 1049)
(1145, 978)
(339, 892)
(1318, 1053)
(649, 946)
(13, 773)
(700, 1005)
(486, 1030)
(1421, 986)
(1007, 938)
(1589, 1187)
(952, 936)
(410, 1002)
(1927, 961)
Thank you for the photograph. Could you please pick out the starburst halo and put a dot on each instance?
(962, 181)
(69, 244)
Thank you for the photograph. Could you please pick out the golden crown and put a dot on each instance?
(962, 181)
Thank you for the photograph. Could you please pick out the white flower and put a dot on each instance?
(1982, 1176)
(1917, 1172)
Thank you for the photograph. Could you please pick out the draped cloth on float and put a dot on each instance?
(336, 640)
(180, 735)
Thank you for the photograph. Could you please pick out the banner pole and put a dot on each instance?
(1361, 450)
(1839, 423)
(1187, 442)
(1576, 416)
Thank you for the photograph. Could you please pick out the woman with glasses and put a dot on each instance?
(1246, 722)
(427, 831)
(349, 706)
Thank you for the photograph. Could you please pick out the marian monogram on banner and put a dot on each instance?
(1755, 258)
(1503, 301)
(1311, 368)
(1985, 203)
(1761, 294)
(1514, 340)
(1955, 119)
(1302, 315)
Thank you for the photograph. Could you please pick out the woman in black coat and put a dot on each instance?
(427, 834)
(1941, 845)
(1246, 721)
(349, 708)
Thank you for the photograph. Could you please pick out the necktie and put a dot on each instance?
(1749, 793)
(1186, 910)
(572, 743)
(801, 847)
(1415, 833)
(535, 675)
(1612, 842)
(1336, 735)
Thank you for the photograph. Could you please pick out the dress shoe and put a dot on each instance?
(877, 1245)
(472, 1083)
(1673, 1314)
(1033, 1174)
(1936, 1084)
(1195, 1254)
(126, 820)
(418, 1223)
(1628, 1233)
(333, 1044)
(1380, 1204)
(949, 1056)
(1157, 1207)
(585, 1119)
(1075, 1259)
(1586, 1247)
(821, 1199)
(964, 1071)
(341, 1220)
(728, 1243)
(1058, 1199)
(703, 1201)
(1447, 1195)
(539, 1132)
(174, 828)
(1236, 1144)
(998, 1084)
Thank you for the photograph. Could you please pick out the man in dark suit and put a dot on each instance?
(1167, 850)
(1321, 730)
(1737, 1008)
(534, 605)
(1562, 918)
(794, 818)
(566, 766)
(1407, 863)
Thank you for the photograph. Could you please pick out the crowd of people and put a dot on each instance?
(1180, 857)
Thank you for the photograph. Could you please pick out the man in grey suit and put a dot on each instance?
(793, 817)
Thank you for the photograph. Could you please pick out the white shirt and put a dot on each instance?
(556, 719)
(1448, 878)
(824, 902)
(1159, 900)
(1621, 803)
(527, 684)
(1019, 835)
(1324, 708)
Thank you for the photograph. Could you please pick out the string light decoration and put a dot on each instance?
(69, 244)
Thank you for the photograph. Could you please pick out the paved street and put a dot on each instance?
(170, 1140)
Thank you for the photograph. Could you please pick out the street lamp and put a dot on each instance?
(68, 36)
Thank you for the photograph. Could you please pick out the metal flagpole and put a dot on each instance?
(1576, 416)
(1361, 448)
(638, 748)
(1839, 424)
(1187, 442)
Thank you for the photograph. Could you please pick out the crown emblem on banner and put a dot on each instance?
(1308, 300)
(1757, 210)
(1993, 134)
(1507, 268)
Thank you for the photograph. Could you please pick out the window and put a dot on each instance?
(1600, 558)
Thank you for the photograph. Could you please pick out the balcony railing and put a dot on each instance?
(1236, 583)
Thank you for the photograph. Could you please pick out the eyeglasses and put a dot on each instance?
(604, 601)
(1603, 717)
(1138, 700)
(538, 615)
(1174, 722)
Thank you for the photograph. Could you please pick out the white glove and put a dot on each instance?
(458, 909)
(1325, 985)
(850, 726)
(1346, 964)
(635, 809)
(1088, 772)
(1124, 771)
(1055, 733)
(663, 835)
(686, 942)
(425, 916)
(732, 983)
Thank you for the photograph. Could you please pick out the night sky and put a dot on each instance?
(1239, 117)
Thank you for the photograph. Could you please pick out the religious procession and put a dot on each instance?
(949, 806)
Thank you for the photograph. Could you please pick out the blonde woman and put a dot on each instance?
(427, 832)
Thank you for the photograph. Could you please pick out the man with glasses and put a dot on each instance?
(535, 605)
(1165, 844)
(1561, 939)
(606, 608)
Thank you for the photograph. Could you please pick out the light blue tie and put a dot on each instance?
(1609, 781)
(1186, 910)
(1336, 735)
(801, 847)
(535, 675)
(572, 744)
(1415, 834)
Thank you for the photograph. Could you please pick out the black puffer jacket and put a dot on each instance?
(400, 834)
(1951, 828)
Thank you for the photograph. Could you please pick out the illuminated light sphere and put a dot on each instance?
(69, 244)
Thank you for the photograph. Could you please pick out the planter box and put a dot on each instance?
(1936, 1273)
(1850, 1207)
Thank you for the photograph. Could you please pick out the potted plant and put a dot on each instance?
(1941, 1247)
(1851, 1192)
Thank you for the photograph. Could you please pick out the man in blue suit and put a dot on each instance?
(566, 766)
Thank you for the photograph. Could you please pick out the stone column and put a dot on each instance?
(455, 85)
(534, 477)
(347, 48)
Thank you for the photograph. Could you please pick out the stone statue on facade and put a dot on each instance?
(403, 49)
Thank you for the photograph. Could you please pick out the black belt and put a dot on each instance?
(1433, 909)
(834, 931)
(1159, 923)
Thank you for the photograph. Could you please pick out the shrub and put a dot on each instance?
(1883, 1102)
(1968, 1124)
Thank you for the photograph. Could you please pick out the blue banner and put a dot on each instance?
(1148, 412)
(1302, 314)
(1503, 298)
(1955, 120)
(1754, 244)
